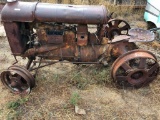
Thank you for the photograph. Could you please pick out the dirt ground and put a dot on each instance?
(61, 87)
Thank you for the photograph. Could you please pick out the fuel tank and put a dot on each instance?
(46, 12)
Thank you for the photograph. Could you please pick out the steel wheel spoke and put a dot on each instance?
(153, 68)
(110, 24)
(126, 66)
(117, 22)
(121, 78)
(20, 82)
(142, 63)
(151, 78)
(13, 82)
(123, 28)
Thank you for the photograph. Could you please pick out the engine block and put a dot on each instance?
(50, 34)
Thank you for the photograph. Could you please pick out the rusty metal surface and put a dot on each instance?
(39, 50)
(50, 33)
(82, 35)
(69, 38)
(116, 27)
(122, 47)
(88, 53)
(135, 68)
(76, 54)
(63, 53)
(55, 39)
(45, 12)
(42, 35)
(93, 39)
(19, 11)
(101, 31)
(139, 6)
(18, 79)
(71, 53)
(14, 37)
(77, 14)
(140, 35)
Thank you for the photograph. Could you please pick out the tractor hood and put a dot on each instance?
(46, 12)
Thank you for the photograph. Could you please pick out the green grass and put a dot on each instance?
(15, 104)
(74, 99)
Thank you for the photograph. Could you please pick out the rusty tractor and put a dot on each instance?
(57, 32)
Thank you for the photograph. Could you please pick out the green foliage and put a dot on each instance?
(101, 75)
(79, 81)
(15, 104)
(75, 97)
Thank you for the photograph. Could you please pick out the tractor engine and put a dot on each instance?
(58, 32)
(67, 42)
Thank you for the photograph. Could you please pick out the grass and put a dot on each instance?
(13, 112)
(15, 104)
(75, 97)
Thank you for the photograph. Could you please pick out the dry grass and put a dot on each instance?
(61, 86)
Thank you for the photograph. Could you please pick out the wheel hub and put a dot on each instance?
(137, 77)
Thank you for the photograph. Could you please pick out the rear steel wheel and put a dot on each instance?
(136, 68)
(116, 27)
(18, 79)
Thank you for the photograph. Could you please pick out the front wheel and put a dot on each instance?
(18, 79)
